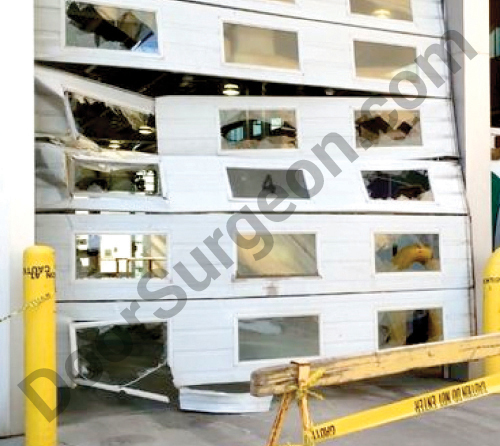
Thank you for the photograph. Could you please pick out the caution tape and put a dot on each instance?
(418, 405)
(28, 306)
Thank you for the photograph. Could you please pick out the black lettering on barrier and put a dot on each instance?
(35, 272)
(448, 397)
(323, 432)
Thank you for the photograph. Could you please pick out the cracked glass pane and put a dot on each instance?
(409, 327)
(399, 185)
(111, 126)
(125, 355)
(407, 253)
(388, 128)
(90, 25)
(278, 337)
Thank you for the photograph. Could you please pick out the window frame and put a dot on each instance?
(265, 152)
(157, 11)
(408, 274)
(317, 276)
(407, 307)
(275, 314)
(233, 198)
(235, 21)
(364, 79)
(123, 280)
(381, 19)
(75, 364)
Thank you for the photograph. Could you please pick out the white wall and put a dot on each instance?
(472, 102)
(16, 210)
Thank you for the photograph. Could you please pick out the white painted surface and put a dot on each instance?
(183, 177)
(203, 336)
(220, 402)
(190, 125)
(191, 41)
(345, 254)
(427, 14)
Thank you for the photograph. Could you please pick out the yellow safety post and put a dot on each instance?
(40, 345)
(491, 307)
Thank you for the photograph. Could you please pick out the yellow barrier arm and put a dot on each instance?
(418, 405)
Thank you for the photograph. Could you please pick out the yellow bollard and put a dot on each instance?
(491, 307)
(40, 344)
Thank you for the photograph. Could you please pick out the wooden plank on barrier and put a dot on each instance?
(276, 380)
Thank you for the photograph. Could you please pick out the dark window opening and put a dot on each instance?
(113, 127)
(398, 185)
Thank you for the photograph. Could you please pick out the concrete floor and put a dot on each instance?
(98, 418)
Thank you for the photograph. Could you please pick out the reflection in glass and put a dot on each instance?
(382, 61)
(258, 129)
(278, 337)
(120, 256)
(383, 9)
(398, 185)
(407, 252)
(250, 183)
(106, 177)
(261, 46)
(118, 355)
(388, 128)
(291, 255)
(112, 126)
(91, 25)
(409, 327)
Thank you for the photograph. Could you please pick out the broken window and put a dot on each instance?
(249, 183)
(398, 185)
(121, 357)
(111, 126)
(109, 256)
(258, 129)
(278, 337)
(382, 61)
(385, 129)
(250, 45)
(407, 253)
(383, 9)
(90, 25)
(108, 177)
(292, 255)
(409, 327)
